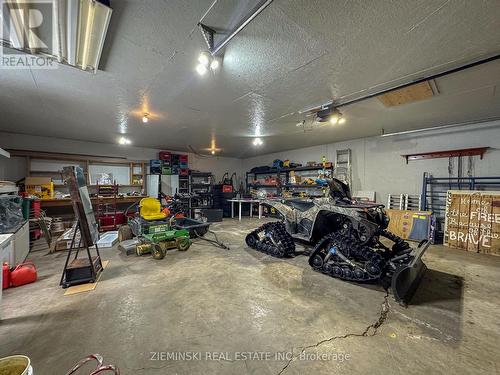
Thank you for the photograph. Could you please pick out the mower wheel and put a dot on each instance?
(183, 244)
(125, 233)
(158, 253)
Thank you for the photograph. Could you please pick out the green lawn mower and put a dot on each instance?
(153, 232)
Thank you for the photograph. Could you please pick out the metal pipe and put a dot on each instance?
(420, 80)
(442, 127)
(254, 13)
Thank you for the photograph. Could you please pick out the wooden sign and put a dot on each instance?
(472, 221)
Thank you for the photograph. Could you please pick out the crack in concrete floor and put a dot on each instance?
(369, 331)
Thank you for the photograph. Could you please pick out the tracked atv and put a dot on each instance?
(347, 241)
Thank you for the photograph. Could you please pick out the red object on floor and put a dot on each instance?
(24, 273)
(5, 276)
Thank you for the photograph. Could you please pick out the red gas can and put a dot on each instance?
(24, 273)
(5, 276)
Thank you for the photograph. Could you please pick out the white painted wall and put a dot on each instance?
(377, 162)
(378, 165)
(14, 168)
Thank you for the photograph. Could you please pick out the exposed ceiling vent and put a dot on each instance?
(69, 31)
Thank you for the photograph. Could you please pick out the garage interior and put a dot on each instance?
(249, 187)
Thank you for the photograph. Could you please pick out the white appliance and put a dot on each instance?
(170, 184)
(153, 185)
(21, 244)
(5, 254)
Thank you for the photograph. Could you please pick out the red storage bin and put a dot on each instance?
(164, 155)
(5, 276)
(183, 172)
(24, 273)
(183, 158)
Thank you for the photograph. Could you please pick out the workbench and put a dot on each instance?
(241, 202)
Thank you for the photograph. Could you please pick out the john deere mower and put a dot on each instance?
(153, 231)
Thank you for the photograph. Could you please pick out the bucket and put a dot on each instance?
(15, 365)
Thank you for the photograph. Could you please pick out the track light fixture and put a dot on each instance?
(145, 118)
(206, 62)
(329, 114)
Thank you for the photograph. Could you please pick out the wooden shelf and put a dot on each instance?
(67, 202)
(447, 154)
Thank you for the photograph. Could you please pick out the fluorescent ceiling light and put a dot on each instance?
(4, 153)
(93, 21)
(75, 36)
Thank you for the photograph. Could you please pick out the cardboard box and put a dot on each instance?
(472, 221)
(41, 187)
(410, 225)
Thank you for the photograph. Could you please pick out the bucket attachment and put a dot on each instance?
(406, 278)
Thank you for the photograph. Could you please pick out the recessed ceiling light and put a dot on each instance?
(257, 142)
(342, 121)
(124, 141)
(145, 118)
(213, 152)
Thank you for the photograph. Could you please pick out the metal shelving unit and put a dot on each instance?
(201, 191)
(283, 179)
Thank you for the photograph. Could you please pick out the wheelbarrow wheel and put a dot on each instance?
(183, 244)
(125, 233)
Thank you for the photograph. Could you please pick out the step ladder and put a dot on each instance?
(343, 169)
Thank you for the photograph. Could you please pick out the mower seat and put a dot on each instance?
(150, 209)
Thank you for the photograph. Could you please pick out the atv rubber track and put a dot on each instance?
(276, 241)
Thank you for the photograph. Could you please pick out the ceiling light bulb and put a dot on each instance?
(201, 69)
(213, 152)
(257, 142)
(203, 59)
(145, 119)
(124, 141)
(214, 64)
(334, 119)
(342, 121)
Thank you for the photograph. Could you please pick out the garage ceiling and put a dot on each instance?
(295, 54)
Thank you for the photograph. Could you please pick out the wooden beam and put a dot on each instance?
(71, 157)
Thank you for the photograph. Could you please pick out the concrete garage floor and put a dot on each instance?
(212, 300)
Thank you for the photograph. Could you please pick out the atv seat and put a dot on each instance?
(150, 209)
(300, 204)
